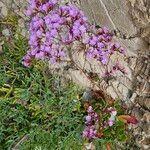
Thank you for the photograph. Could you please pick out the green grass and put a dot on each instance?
(37, 110)
(33, 104)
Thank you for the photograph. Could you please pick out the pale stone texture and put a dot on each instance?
(111, 13)
(6, 32)
(131, 21)
(3, 10)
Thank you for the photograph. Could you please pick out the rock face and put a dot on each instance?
(113, 14)
(17, 6)
(130, 22)
(10, 7)
(130, 19)
(123, 17)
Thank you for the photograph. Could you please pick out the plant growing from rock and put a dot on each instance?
(56, 33)
(105, 123)
(54, 29)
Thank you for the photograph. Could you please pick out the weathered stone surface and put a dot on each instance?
(113, 14)
(3, 10)
(1, 44)
(140, 12)
(144, 102)
(6, 32)
(133, 46)
(131, 18)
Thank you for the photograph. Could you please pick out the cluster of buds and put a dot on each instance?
(91, 123)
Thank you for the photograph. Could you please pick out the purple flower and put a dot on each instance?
(110, 109)
(26, 64)
(37, 24)
(29, 12)
(33, 5)
(53, 33)
(104, 60)
(48, 35)
(65, 25)
(89, 55)
(61, 53)
(93, 41)
(33, 37)
(110, 122)
(100, 45)
(45, 7)
(118, 67)
(34, 51)
(117, 45)
(122, 50)
(88, 118)
(92, 120)
(89, 132)
(47, 49)
(47, 20)
(105, 30)
(82, 29)
(52, 60)
(73, 13)
(76, 32)
(53, 2)
(33, 40)
(90, 109)
(56, 25)
(39, 33)
(27, 60)
(77, 23)
(40, 55)
(85, 133)
(55, 18)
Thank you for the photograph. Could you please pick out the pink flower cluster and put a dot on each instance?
(54, 28)
(92, 121)
(115, 68)
(100, 45)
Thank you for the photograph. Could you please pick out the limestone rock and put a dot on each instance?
(6, 32)
(3, 10)
(140, 12)
(1, 44)
(144, 102)
(113, 14)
